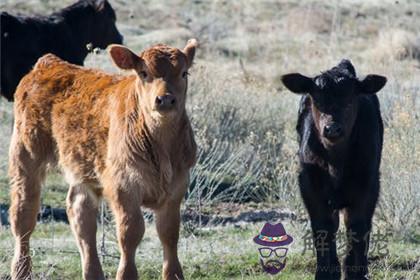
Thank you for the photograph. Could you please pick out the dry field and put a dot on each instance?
(244, 123)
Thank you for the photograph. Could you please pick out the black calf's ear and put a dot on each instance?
(99, 4)
(297, 83)
(372, 84)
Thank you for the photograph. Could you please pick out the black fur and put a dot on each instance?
(340, 177)
(65, 33)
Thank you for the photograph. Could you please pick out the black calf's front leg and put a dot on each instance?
(324, 222)
(324, 229)
(358, 234)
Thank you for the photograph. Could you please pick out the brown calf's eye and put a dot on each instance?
(185, 74)
(143, 74)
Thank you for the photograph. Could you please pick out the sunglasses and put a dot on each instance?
(266, 252)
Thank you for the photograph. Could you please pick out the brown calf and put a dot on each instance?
(127, 138)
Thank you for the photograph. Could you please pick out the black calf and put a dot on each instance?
(340, 134)
(65, 33)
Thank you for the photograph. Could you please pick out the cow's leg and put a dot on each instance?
(324, 222)
(130, 228)
(324, 229)
(82, 209)
(26, 172)
(358, 224)
(167, 225)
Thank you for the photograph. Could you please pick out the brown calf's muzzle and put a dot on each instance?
(165, 102)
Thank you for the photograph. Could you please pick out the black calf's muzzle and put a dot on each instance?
(333, 131)
(120, 39)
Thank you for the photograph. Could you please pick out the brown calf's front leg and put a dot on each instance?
(26, 176)
(82, 209)
(130, 228)
(167, 225)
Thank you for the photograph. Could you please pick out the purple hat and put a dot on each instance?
(273, 236)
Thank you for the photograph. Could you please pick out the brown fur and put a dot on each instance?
(109, 138)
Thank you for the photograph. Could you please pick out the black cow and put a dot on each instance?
(340, 135)
(66, 33)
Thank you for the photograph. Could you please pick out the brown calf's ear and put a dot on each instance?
(123, 57)
(189, 51)
(372, 84)
(297, 83)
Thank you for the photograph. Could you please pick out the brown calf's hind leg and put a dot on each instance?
(82, 209)
(26, 175)
(130, 229)
(167, 225)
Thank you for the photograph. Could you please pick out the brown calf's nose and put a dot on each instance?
(165, 102)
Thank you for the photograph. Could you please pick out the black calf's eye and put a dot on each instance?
(185, 74)
(143, 74)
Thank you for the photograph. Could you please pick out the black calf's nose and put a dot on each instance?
(333, 131)
(165, 101)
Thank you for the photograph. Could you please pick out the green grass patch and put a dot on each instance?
(224, 253)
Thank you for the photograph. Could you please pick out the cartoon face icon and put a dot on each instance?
(272, 260)
(273, 241)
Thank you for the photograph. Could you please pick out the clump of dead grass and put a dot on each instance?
(308, 19)
(397, 44)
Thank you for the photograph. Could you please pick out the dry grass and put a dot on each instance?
(244, 120)
(397, 44)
